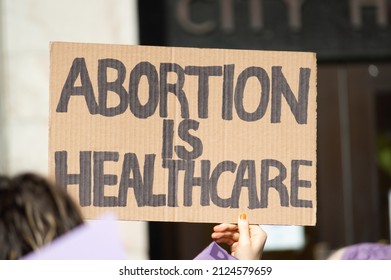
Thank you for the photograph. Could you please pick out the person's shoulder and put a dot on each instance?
(364, 251)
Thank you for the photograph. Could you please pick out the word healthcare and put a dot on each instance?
(181, 134)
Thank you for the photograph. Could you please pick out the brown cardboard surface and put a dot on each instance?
(184, 134)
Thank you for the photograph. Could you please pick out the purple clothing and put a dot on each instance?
(214, 252)
(367, 251)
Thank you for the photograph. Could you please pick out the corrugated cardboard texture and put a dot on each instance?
(183, 134)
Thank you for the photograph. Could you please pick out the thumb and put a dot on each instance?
(244, 229)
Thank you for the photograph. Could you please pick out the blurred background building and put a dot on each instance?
(27, 28)
(352, 40)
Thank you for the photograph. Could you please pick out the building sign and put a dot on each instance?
(334, 29)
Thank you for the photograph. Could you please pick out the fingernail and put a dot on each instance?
(243, 216)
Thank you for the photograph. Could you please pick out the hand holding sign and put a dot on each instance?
(246, 241)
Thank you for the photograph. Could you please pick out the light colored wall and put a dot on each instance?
(27, 27)
(3, 147)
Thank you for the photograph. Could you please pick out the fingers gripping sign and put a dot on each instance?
(246, 241)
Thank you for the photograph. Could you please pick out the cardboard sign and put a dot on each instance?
(183, 134)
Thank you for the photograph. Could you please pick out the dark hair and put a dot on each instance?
(33, 212)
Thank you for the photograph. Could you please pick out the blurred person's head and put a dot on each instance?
(33, 212)
(363, 251)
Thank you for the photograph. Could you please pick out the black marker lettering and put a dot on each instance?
(203, 73)
(78, 69)
(116, 86)
(263, 79)
(148, 70)
(276, 183)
